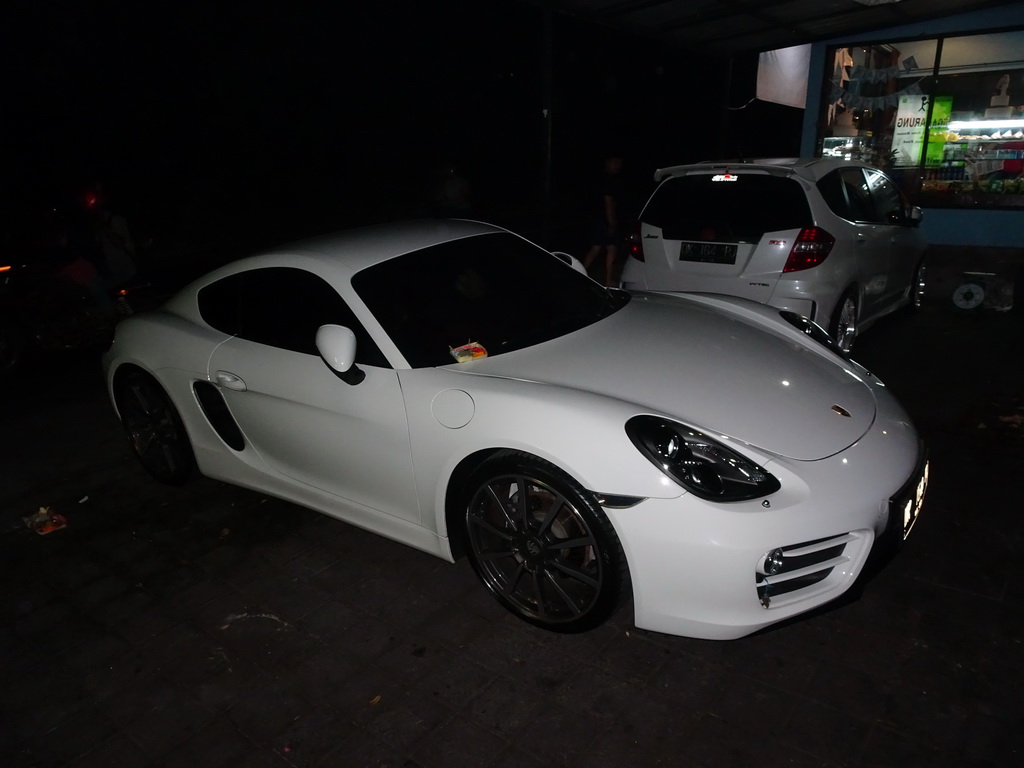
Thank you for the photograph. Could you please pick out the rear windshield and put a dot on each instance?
(741, 211)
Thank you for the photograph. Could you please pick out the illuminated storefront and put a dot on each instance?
(944, 115)
(941, 107)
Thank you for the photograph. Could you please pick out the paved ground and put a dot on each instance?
(211, 626)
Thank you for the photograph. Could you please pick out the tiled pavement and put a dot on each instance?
(211, 626)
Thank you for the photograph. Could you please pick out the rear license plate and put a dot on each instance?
(905, 507)
(709, 253)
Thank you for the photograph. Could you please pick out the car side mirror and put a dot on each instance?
(914, 215)
(337, 346)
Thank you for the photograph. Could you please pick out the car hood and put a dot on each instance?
(716, 368)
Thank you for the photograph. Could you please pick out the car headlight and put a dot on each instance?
(815, 331)
(700, 464)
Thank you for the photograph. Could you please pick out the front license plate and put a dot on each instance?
(905, 507)
(709, 253)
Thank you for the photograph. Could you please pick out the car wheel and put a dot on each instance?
(917, 287)
(542, 544)
(155, 431)
(844, 321)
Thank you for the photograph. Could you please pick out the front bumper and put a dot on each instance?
(699, 569)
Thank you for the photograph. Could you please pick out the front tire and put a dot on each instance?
(843, 325)
(155, 431)
(542, 545)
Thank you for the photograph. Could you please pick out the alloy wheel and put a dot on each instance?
(844, 326)
(917, 287)
(155, 431)
(541, 552)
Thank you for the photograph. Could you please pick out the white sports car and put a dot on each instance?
(454, 387)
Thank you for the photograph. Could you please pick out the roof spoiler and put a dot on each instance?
(774, 166)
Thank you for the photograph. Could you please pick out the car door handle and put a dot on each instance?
(230, 381)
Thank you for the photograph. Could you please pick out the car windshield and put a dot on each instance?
(495, 290)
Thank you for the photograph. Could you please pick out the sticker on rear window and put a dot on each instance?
(725, 177)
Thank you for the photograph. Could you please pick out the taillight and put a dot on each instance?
(811, 247)
(634, 245)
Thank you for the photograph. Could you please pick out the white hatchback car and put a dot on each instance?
(832, 240)
(455, 387)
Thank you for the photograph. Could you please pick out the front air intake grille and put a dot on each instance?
(800, 568)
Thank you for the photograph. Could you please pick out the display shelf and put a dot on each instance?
(979, 152)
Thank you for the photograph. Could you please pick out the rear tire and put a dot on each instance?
(154, 429)
(843, 326)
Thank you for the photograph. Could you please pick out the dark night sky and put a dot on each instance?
(206, 118)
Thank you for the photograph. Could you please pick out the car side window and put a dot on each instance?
(858, 196)
(219, 304)
(833, 193)
(888, 199)
(283, 307)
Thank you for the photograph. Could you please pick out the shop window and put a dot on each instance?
(944, 117)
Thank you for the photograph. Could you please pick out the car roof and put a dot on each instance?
(809, 168)
(356, 249)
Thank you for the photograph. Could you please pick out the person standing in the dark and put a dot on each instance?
(607, 218)
(451, 196)
(114, 240)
